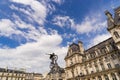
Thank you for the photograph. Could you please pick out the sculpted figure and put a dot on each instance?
(53, 58)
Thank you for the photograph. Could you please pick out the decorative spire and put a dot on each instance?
(109, 16)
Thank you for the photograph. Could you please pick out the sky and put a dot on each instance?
(30, 29)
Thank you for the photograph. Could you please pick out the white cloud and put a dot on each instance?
(65, 35)
(8, 28)
(39, 12)
(32, 56)
(98, 38)
(88, 25)
(58, 1)
(63, 21)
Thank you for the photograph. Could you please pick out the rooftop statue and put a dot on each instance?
(53, 57)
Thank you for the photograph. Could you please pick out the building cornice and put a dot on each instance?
(98, 44)
(93, 59)
(74, 53)
(102, 72)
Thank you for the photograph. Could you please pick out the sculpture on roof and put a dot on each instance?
(53, 58)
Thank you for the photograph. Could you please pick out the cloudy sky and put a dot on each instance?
(31, 28)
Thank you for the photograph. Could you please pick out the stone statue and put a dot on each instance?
(53, 58)
(54, 67)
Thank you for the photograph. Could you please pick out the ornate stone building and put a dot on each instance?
(38, 76)
(33, 76)
(11, 74)
(114, 25)
(100, 62)
(8, 74)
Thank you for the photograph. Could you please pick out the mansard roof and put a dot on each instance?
(117, 9)
(99, 45)
(73, 44)
(10, 70)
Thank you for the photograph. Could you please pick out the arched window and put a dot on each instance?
(106, 77)
(99, 78)
(116, 34)
(102, 66)
(113, 76)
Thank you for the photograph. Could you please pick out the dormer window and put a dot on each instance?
(71, 62)
(116, 34)
(75, 48)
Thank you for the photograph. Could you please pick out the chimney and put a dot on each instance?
(109, 16)
(81, 47)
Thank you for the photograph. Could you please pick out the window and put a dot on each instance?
(67, 74)
(98, 52)
(93, 78)
(99, 78)
(103, 50)
(117, 65)
(91, 55)
(110, 47)
(113, 76)
(101, 60)
(90, 65)
(72, 71)
(97, 69)
(116, 34)
(106, 59)
(60, 75)
(102, 66)
(106, 77)
(109, 65)
(77, 71)
(92, 71)
(95, 62)
(87, 71)
(71, 62)
(68, 53)
(119, 14)
(75, 48)
(113, 56)
(112, 44)
(94, 54)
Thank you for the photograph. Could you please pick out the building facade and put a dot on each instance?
(11, 74)
(29, 76)
(8, 74)
(100, 62)
(38, 76)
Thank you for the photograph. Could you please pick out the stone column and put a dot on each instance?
(91, 78)
(117, 76)
(103, 78)
(104, 64)
(93, 67)
(109, 76)
(99, 66)
(2, 75)
(96, 78)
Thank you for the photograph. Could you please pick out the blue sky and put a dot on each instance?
(31, 28)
